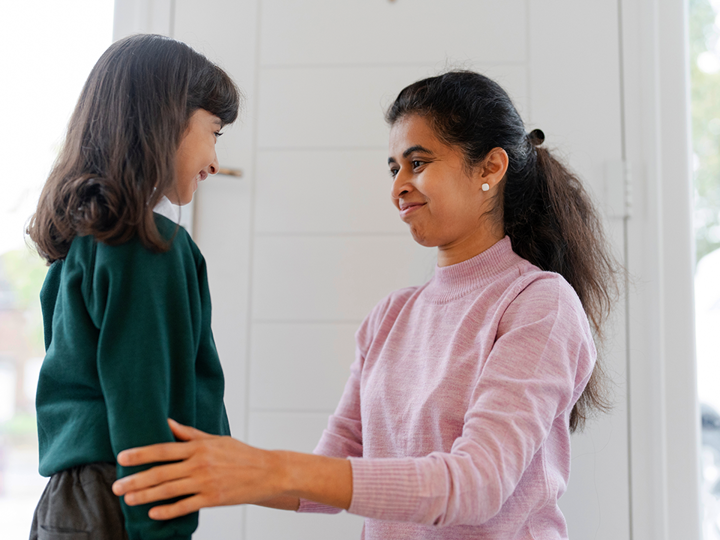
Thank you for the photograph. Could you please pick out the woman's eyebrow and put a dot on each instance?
(416, 148)
(406, 153)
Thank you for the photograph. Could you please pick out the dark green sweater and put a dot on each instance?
(129, 344)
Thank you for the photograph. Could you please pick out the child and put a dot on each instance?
(125, 303)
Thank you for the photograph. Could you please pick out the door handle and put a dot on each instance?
(226, 171)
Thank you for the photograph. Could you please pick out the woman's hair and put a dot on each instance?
(118, 158)
(543, 207)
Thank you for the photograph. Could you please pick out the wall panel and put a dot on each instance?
(306, 278)
(300, 366)
(342, 107)
(319, 191)
(303, 32)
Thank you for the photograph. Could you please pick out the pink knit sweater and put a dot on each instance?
(455, 416)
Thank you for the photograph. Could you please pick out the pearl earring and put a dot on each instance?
(485, 187)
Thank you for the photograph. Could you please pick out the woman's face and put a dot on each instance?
(195, 159)
(438, 197)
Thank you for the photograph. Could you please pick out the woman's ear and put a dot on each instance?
(493, 168)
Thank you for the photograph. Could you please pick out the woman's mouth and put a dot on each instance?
(408, 208)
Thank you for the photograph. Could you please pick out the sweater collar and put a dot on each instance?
(456, 280)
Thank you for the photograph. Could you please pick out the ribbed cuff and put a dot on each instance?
(389, 489)
(312, 507)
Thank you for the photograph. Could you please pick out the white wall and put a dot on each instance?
(303, 245)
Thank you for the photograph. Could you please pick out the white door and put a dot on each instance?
(305, 242)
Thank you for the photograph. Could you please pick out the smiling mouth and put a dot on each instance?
(407, 209)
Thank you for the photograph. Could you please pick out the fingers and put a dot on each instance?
(162, 492)
(186, 433)
(180, 508)
(147, 479)
(154, 453)
(164, 451)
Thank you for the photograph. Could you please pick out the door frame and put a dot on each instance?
(664, 414)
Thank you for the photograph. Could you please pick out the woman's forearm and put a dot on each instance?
(215, 471)
(318, 478)
(283, 502)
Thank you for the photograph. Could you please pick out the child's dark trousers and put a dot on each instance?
(78, 504)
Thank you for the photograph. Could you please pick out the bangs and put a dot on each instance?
(215, 92)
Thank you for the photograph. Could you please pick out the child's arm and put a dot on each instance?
(149, 309)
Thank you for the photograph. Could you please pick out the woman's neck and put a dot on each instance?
(468, 247)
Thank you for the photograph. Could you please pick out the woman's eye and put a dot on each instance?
(393, 173)
(218, 134)
(416, 164)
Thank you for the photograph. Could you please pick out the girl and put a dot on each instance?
(125, 303)
(455, 422)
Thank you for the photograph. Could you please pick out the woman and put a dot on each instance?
(456, 420)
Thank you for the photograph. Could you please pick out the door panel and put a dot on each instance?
(332, 278)
(308, 32)
(281, 384)
(343, 106)
(342, 194)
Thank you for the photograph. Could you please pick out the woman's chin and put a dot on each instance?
(423, 239)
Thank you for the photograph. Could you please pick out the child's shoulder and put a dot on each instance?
(169, 229)
(179, 239)
(181, 248)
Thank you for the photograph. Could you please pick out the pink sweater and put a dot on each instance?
(455, 416)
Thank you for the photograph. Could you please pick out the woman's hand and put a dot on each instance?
(218, 471)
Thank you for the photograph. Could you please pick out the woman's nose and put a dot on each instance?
(400, 186)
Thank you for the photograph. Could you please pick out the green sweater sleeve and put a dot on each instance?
(148, 309)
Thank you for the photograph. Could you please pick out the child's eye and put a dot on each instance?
(218, 134)
(393, 173)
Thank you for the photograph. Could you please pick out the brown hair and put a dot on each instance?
(118, 158)
(543, 207)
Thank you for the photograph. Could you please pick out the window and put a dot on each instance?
(705, 86)
(49, 48)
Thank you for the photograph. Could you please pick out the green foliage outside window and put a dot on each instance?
(705, 95)
(25, 271)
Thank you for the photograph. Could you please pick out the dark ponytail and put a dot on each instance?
(549, 217)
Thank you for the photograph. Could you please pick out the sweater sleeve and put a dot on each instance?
(147, 308)
(538, 366)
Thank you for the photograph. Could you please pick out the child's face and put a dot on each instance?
(195, 158)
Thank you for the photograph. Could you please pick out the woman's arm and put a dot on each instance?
(218, 471)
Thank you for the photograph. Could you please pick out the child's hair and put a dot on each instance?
(542, 206)
(118, 159)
